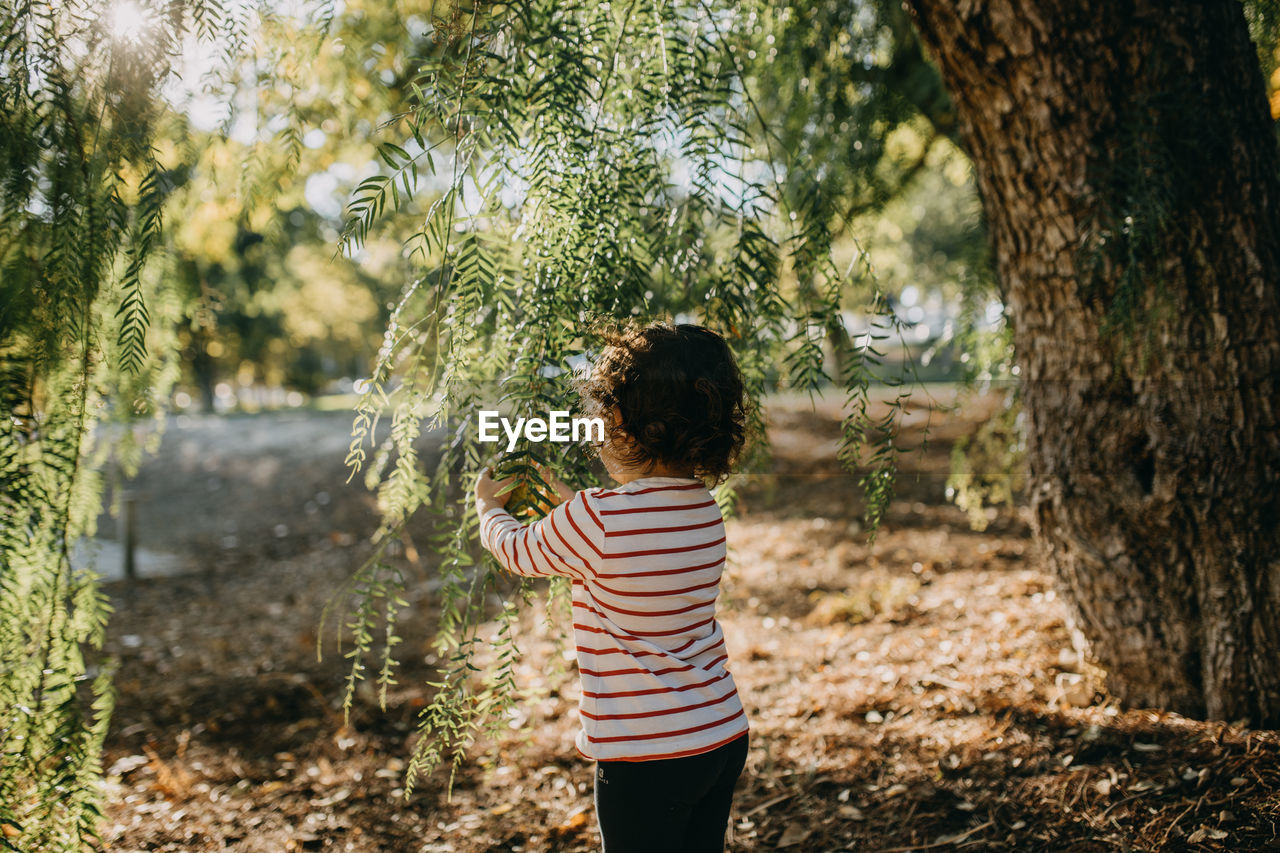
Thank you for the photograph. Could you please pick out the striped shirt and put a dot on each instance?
(645, 561)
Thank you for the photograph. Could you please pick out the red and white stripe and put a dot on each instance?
(645, 560)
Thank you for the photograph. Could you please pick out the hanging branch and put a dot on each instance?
(570, 121)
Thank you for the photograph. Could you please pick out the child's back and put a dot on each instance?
(650, 651)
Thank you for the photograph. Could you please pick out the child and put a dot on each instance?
(660, 712)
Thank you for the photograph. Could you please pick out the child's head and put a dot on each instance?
(670, 396)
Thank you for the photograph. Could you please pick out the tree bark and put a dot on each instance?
(1128, 167)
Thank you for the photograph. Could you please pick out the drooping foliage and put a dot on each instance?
(596, 161)
(85, 337)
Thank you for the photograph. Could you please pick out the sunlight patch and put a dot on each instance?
(130, 21)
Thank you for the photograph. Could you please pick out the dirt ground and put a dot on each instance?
(922, 693)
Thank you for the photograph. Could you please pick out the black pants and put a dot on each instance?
(670, 805)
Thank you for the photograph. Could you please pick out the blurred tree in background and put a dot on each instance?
(278, 145)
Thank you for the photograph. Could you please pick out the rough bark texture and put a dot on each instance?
(1128, 167)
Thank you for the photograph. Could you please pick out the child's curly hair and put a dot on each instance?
(679, 395)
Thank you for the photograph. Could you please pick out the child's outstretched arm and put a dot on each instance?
(569, 541)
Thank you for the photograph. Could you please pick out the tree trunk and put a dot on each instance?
(1128, 166)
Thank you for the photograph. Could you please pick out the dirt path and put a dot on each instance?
(918, 694)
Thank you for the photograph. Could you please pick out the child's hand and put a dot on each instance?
(487, 491)
(563, 491)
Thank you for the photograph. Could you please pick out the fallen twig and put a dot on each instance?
(768, 803)
(951, 840)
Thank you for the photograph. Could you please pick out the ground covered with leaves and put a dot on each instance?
(919, 693)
